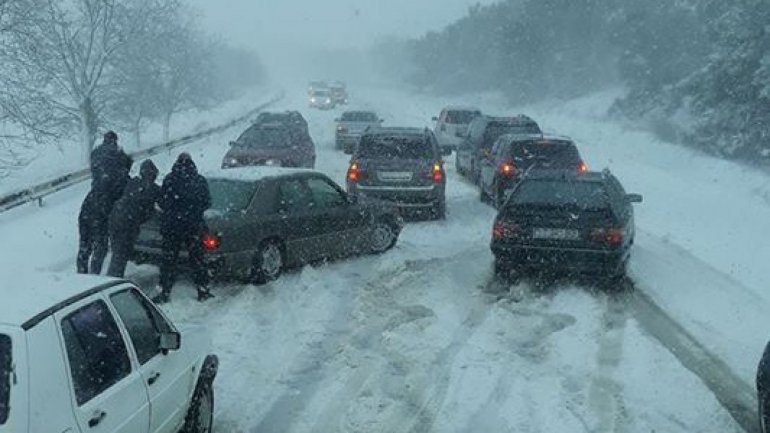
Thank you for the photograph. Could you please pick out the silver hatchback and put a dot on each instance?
(351, 126)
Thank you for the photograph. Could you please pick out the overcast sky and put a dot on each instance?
(326, 23)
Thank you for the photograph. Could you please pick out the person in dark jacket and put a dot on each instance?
(184, 198)
(135, 208)
(110, 166)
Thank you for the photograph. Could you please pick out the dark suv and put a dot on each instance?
(284, 142)
(482, 134)
(401, 165)
(514, 155)
(565, 222)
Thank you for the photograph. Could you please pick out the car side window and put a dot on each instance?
(98, 357)
(294, 196)
(143, 323)
(326, 195)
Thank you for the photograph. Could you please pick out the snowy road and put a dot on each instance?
(422, 339)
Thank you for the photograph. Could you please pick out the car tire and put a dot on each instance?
(268, 263)
(439, 210)
(200, 416)
(383, 237)
(506, 271)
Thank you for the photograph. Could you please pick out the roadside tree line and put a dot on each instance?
(697, 71)
(69, 68)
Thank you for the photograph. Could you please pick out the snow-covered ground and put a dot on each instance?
(422, 339)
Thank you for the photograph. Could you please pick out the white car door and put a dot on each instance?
(108, 393)
(167, 374)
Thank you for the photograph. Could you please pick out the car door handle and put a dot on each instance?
(97, 418)
(154, 378)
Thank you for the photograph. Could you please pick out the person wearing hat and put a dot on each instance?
(134, 208)
(110, 166)
(184, 198)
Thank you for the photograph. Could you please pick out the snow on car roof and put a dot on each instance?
(26, 296)
(253, 173)
(461, 108)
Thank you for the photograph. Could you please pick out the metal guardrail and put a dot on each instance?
(41, 190)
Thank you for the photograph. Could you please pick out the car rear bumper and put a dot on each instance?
(219, 265)
(404, 197)
(577, 260)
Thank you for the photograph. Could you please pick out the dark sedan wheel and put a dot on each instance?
(439, 210)
(383, 237)
(268, 263)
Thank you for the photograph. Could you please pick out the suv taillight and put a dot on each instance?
(354, 172)
(583, 167)
(438, 173)
(612, 237)
(210, 241)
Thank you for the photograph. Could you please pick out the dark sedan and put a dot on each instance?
(277, 143)
(264, 220)
(563, 222)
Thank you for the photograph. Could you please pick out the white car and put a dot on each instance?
(452, 126)
(322, 99)
(88, 354)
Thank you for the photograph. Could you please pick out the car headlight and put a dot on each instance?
(273, 162)
(328, 101)
(312, 99)
(231, 161)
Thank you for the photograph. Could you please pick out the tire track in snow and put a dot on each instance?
(735, 395)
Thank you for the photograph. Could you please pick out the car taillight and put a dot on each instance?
(210, 241)
(505, 229)
(612, 237)
(583, 167)
(438, 173)
(354, 172)
(507, 169)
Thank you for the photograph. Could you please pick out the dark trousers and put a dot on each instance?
(173, 243)
(94, 243)
(122, 246)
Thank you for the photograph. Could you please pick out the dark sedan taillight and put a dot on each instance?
(438, 173)
(508, 169)
(612, 237)
(505, 230)
(210, 241)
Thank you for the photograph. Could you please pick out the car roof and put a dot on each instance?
(397, 130)
(568, 175)
(359, 112)
(461, 108)
(254, 173)
(521, 118)
(513, 138)
(31, 298)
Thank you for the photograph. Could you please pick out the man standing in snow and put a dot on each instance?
(184, 198)
(132, 210)
(110, 166)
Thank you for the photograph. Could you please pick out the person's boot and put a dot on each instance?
(204, 294)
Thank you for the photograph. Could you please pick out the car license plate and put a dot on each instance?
(395, 176)
(556, 234)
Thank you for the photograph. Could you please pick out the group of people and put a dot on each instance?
(117, 205)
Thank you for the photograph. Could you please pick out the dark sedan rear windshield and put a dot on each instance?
(403, 147)
(5, 377)
(264, 137)
(558, 192)
(231, 195)
(359, 116)
(545, 154)
(461, 117)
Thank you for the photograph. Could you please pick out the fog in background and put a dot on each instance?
(300, 40)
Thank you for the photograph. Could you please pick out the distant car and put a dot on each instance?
(264, 220)
(89, 354)
(339, 92)
(482, 133)
(763, 391)
(514, 155)
(564, 222)
(452, 126)
(316, 85)
(274, 143)
(351, 125)
(322, 99)
(401, 165)
(292, 119)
